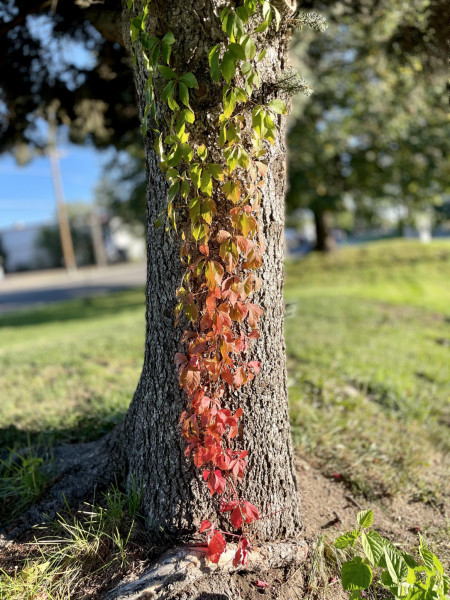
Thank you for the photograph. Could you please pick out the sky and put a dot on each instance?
(26, 193)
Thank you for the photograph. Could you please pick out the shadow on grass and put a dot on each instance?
(100, 306)
(86, 429)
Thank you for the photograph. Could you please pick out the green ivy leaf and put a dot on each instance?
(277, 17)
(167, 72)
(261, 55)
(194, 209)
(185, 188)
(264, 25)
(191, 309)
(183, 93)
(278, 106)
(189, 80)
(206, 183)
(214, 62)
(166, 46)
(202, 152)
(356, 575)
(173, 190)
(228, 66)
(237, 50)
(242, 13)
(249, 47)
(175, 157)
(215, 171)
(229, 102)
(195, 173)
(169, 39)
(185, 116)
(188, 153)
(365, 517)
(208, 209)
(246, 68)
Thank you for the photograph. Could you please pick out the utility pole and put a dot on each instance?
(63, 221)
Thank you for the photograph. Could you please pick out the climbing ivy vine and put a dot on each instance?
(222, 247)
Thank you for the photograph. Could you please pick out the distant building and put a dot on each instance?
(19, 245)
(23, 250)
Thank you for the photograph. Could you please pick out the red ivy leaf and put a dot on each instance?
(241, 556)
(251, 512)
(204, 526)
(216, 547)
(236, 517)
(223, 235)
(261, 584)
(216, 483)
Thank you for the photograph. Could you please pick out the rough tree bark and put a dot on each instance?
(174, 497)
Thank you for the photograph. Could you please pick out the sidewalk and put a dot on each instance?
(31, 289)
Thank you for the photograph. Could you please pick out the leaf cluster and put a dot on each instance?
(396, 570)
(221, 246)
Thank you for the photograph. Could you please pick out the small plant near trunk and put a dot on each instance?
(24, 475)
(379, 562)
(80, 552)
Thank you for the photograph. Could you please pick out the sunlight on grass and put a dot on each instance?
(368, 342)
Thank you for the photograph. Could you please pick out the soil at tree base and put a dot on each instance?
(328, 508)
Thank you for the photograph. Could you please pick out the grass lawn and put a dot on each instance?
(368, 339)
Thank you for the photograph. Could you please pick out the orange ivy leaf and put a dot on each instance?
(254, 312)
(214, 274)
(190, 380)
(227, 376)
(190, 308)
(223, 235)
(240, 377)
(180, 358)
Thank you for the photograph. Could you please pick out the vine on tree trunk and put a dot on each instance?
(221, 248)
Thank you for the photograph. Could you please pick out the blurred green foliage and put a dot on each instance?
(373, 133)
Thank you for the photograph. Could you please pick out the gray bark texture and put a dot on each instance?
(174, 497)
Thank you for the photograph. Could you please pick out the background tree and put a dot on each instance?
(373, 132)
(70, 58)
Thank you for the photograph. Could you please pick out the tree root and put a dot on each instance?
(184, 572)
(77, 471)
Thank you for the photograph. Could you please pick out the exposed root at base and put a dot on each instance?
(179, 572)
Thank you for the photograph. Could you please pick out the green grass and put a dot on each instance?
(368, 340)
(369, 364)
(68, 371)
(78, 553)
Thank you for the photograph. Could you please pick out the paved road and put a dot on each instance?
(29, 290)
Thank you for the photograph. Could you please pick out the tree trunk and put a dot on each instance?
(324, 240)
(174, 497)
